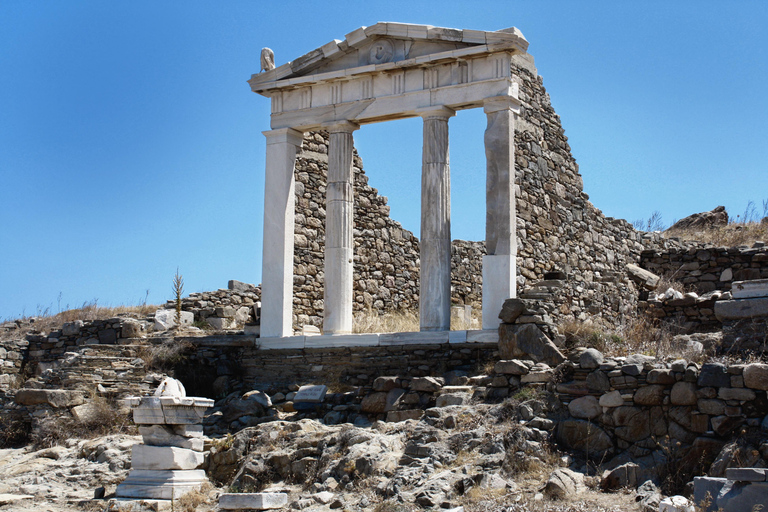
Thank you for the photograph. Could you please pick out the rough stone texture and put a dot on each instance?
(756, 376)
(253, 501)
(527, 340)
(584, 436)
(706, 220)
(164, 458)
(564, 483)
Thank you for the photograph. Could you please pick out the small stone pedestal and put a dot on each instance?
(170, 423)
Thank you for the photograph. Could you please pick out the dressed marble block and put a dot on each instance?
(392, 71)
(165, 465)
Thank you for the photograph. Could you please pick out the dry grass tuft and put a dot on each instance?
(399, 321)
(637, 336)
(196, 501)
(732, 235)
(166, 355)
(106, 418)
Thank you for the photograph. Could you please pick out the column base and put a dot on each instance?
(499, 279)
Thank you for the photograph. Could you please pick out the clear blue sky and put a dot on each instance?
(130, 143)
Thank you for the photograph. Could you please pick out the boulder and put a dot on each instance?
(166, 318)
(647, 279)
(620, 477)
(612, 399)
(756, 376)
(511, 310)
(527, 341)
(585, 407)
(564, 483)
(53, 397)
(683, 393)
(591, 359)
(131, 329)
(649, 395)
(704, 220)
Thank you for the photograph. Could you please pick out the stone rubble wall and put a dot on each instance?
(653, 411)
(12, 355)
(703, 268)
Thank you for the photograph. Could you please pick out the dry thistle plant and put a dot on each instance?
(178, 289)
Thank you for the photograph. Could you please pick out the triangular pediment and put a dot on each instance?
(385, 44)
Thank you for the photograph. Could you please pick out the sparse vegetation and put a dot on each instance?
(398, 321)
(178, 289)
(104, 418)
(744, 229)
(164, 356)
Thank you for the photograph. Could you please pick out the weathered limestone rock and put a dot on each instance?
(704, 220)
(622, 476)
(756, 376)
(647, 279)
(166, 318)
(683, 393)
(426, 384)
(565, 483)
(612, 399)
(527, 340)
(649, 395)
(512, 367)
(585, 407)
(590, 359)
(511, 310)
(53, 397)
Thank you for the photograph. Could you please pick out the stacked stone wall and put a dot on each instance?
(703, 268)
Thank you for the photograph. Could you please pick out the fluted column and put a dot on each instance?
(499, 265)
(435, 256)
(277, 257)
(339, 218)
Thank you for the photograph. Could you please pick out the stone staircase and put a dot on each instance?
(114, 371)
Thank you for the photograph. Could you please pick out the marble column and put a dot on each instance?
(435, 255)
(279, 207)
(499, 265)
(339, 218)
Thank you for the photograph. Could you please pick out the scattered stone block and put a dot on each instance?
(54, 397)
(166, 318)
(749, 289)
(311, 394)
(676, 504)
(747, 474)
(253, 501)
(647, 279)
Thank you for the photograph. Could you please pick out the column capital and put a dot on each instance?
(282, 135)
(340, 127)
(439, 111)
(498, 103)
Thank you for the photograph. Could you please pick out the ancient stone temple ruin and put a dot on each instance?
(378, 73)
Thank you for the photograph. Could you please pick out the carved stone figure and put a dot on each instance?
(267, 59)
